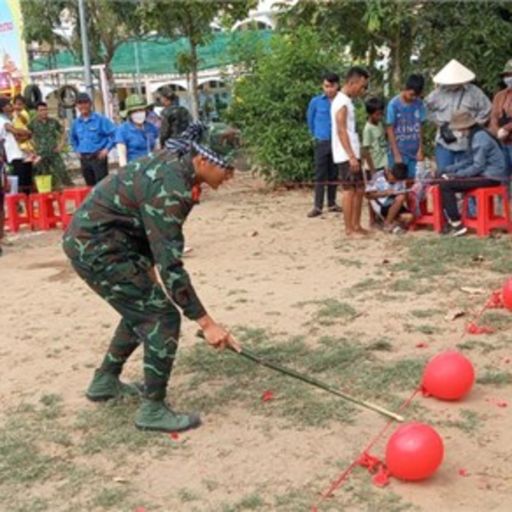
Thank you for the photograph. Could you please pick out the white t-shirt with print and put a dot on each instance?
(339, 154)
(379, 183)
(12, 149)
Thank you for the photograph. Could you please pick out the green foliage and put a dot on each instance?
(107, 25)
(270, 103)
(475, 33)
(193, 20)
(419, 36)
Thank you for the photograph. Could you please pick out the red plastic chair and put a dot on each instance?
(14, 218)
(433, 216)
(487, 218)
(75, 195)
(44, 210)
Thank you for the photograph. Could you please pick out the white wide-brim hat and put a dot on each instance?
(454, 73)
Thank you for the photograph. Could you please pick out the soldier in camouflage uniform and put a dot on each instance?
(48, 138)
(175, 118)
(130, 223)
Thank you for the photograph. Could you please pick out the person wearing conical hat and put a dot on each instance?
(454, 92)
(483, 166)
(136, 137)
(501, 115)
(130, 225)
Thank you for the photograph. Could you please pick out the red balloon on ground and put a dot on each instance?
(414, 452)
(507, 293)
(448, 376)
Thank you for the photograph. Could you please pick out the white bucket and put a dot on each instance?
(13, 184)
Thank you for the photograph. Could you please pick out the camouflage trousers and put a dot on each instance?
(54, 165)
(148, 317)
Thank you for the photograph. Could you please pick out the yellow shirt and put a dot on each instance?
(20, 121)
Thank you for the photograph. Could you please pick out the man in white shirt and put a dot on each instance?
(346, 148)
(15, 156)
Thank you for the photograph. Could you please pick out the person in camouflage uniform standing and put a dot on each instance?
(175, 118)
(48, 138)
(130, 223)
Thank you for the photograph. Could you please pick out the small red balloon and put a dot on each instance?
(507, 294)
(414, 452)
(448, 376)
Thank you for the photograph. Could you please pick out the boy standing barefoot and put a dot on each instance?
(346, 148)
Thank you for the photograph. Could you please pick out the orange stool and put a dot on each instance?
(486, 217)
(75, 195)
(431, 217)
(14, 219)
(43, 214)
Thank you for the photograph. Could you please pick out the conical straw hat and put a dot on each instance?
(454, 73)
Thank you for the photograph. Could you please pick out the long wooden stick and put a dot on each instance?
(244, 352)
(314, 382)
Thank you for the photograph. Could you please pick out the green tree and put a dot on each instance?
(270, 103)
(41, 18)
(417, 34)
(370, 29)
(109, 24)
(475, 33)
(193, 20)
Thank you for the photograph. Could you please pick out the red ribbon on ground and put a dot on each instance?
(474, 328)
(376, 467)
(267, 396)
(369, 461)
(495, 300)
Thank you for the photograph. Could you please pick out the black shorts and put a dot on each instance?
(385, 209)
(24, 172)
(350, 180)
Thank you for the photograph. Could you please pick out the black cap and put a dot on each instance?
(4, 100)
(83, 97)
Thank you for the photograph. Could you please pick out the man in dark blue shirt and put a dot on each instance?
(319, 124)
(92, 137)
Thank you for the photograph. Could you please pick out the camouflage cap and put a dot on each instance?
(217, 142)
(508, 68)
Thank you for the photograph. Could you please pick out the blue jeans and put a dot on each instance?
(507, 151)
(408, 161)
(446, 157)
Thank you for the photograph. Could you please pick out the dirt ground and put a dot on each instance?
(362, 314)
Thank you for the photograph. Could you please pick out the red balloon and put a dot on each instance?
(414, 452)
(448, 376)
(507, 293)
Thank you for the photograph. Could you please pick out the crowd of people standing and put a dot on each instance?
(33, 143)
(472, 149)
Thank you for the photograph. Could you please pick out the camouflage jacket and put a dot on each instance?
(46, 135)
(175, 120)
(136, 218)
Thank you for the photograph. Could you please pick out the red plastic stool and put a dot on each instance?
(14, 219)
(486, 217)
(75, 195)
(43, 214)
(431, 217)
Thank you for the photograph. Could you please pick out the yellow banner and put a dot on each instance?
(13, 53)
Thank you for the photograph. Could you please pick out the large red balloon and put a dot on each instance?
(448, 376)
(507, 293)
(414, 452)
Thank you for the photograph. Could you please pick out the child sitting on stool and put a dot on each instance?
(388, 198)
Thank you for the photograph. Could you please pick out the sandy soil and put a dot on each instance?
(257, 245)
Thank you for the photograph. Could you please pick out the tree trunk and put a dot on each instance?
(194, 91)
(396, 63)
(112, 93)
